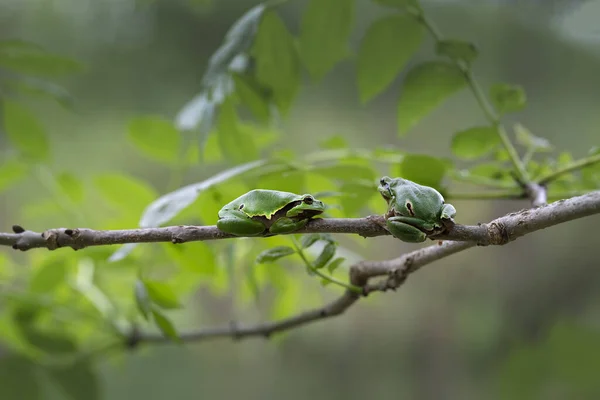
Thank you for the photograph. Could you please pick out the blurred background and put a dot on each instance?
(520, 321)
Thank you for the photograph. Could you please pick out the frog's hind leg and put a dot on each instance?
(286, 225)
(239, 224)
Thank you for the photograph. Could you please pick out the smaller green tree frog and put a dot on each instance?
(268, 212)
(414, 211)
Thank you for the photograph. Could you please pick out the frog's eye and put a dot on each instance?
(241, 206)
(308, 200)
(382, 181)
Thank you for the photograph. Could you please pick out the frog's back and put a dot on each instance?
(434, 197)
(262, 201)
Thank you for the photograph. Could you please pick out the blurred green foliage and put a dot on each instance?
(63, 312)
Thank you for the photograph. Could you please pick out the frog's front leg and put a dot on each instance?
(237, 223)
(287, 225)
(400, 228)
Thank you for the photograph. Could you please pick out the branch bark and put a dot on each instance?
(497, 232)
(395, 271)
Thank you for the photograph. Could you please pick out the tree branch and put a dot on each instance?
(266, 329)
(80, 238)
(497, 232)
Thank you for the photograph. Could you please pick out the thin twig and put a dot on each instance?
(573, 166)
(266, 329)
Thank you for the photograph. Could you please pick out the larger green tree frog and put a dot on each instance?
(264, 212)
(414, 211)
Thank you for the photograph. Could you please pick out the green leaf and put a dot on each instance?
(508, 98)
(29, 58)
(401, 4)
(423, 169)
(385, 49)
(77, 380)
(457, 50)
(165, 326)
(32, 86)
(142, 299)
(234, 144)
(334, 142)
(332, 266)
(252, 282)
(125, 192)
(425, 87)
(274, 254)
(156, 137)
(71, 186)
(564, 158)
(475, 142)
(166, 207)
(500, 154)
(20, 379)
(326, 254)
(11, 172)
(493, 170)
(197, 113)
(324, 32)
(236, 42)
(325, 282)
(309, 240)
(590, 175)
(52, 343)
(263, 136)
(528, 140)
(24, 131)
(251, 94)
(162, 294)
(277, 63)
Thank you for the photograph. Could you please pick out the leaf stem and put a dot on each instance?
(573, 166)
(485, 106)
(528, 156)
(321, 274)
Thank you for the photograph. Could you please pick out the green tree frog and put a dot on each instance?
(414, 210)
(268, 212)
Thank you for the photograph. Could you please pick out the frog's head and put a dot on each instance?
(306, 207)
(385, 188)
